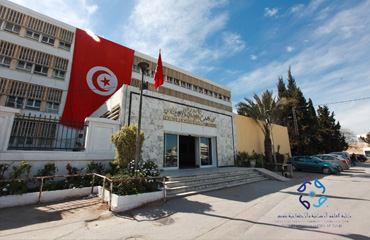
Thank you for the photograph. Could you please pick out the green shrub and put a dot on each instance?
(49, 170)
(3, 168)
(125, 143)
(18, 171)
(14, 187)
(146, 169)
(242, 159)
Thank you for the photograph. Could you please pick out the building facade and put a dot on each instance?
(187, 122)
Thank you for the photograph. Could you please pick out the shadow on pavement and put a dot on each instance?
(16, 217)
(166, 210)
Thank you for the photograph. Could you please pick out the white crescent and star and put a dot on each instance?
(101, 80)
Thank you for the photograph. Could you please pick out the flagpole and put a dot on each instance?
(144, 66)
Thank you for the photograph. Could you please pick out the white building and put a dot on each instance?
(188, 122)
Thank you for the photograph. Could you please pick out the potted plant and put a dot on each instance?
(252, 162)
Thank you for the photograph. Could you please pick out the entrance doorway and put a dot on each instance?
(187, 158)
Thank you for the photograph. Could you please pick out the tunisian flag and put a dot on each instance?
(158, 77)
(99, 68)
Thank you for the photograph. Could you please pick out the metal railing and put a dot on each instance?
(41, 178)
(125, 180)
(42, 133)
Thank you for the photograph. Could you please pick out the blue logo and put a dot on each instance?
(312, 194)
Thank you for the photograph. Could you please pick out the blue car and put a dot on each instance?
(309, 163)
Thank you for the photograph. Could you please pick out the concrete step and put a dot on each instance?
(204, 179)
(184, 178)
(216, 187)
(185, 185)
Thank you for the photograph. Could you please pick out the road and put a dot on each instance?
(262, 210)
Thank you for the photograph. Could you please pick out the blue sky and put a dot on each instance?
(245, 45)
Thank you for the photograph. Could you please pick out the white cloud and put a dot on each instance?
(77, 13)
(300, 10)
(347, 23)
(188, 32)
(290, 49)
(271, 12)
(331, 69)
(297, 8)
(253, 57)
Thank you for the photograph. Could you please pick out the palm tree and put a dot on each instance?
(263, 111)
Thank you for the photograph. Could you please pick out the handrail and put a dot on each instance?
(92, 184)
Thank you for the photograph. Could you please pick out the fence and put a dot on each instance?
(111, 182)
(42, 133)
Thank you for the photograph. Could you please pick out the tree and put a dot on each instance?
(366, 139)
(330, 137)
(349, 135)
(263, 111)
(125, 143)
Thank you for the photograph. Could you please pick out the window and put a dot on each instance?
(5, 61)
(195, 88)
(41, 70)
(210, 93)
(169, 79)
(299, 159)
(135, 68)
(1, 24)
(32, 35)
(170, 150)
(33, 104)
(16, 102)
(48, 40)
(176, 81)
(216, 95)
(52, 107)
(64, 45)
(183, 84)
(200, 90)
(11, 27)
(59, 74)
(205, 91)
(25, 66)
(188, 85)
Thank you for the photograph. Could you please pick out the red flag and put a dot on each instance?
(158, 77)
(99, 68)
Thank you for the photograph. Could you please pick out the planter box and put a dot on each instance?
(47, 196)
(127, 202)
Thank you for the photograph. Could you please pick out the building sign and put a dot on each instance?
(189, 115)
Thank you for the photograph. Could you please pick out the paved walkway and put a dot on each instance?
(263, 210)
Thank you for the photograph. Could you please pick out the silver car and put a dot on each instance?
(332, 158)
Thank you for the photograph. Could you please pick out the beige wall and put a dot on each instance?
(250, 137)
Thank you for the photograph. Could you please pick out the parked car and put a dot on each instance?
(345, 155)
(332, 158)
(310, 163)
(361, 157)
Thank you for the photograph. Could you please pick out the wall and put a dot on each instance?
(154, 126)
(97, 143)
(249, 137)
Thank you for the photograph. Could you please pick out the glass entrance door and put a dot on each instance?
(205, 151)
(170, 151)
